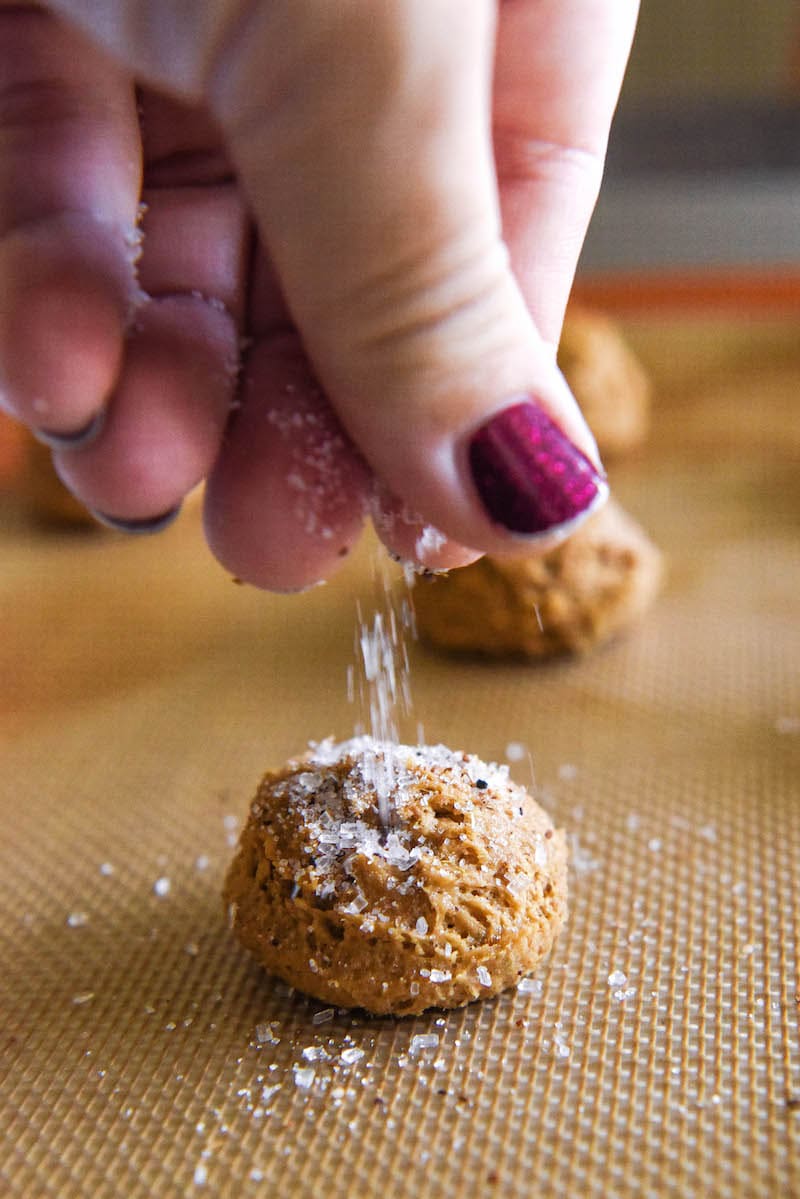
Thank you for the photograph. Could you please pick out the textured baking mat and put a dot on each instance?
(657, 1052)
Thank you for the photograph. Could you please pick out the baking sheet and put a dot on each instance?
(656, 1054)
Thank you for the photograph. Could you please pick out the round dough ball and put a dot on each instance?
(460, 896)
(607, 380)
(568, 600)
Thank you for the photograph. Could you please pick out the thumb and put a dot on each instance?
(362, 135)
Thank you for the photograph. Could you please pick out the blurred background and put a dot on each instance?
(693, 49)
(704, 161)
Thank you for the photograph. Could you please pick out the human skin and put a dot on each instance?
(383, 203)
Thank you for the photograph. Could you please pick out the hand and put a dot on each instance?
(343, 291)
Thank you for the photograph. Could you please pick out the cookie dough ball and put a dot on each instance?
(607, 380)
(576, 596)
(460, 896)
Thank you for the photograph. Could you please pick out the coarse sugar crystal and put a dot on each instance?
(422, 1041)
(323, 1016)
(265, 1034)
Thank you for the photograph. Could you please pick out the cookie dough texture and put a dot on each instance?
(606, 378)
(460, 898)
(569, 600)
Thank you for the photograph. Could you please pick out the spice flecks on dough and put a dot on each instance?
(327, 805)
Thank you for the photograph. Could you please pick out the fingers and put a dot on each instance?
(411, 539)
(365, 148)
(134, 410)
(363, 139)
(177, 380)
(162, 432)
(289, 493)
(69, 186)
(558, 70)
(287, 498)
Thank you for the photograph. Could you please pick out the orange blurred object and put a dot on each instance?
(12, 451)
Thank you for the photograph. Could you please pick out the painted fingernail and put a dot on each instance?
(529, 475)
(153, 524)
(72, 441)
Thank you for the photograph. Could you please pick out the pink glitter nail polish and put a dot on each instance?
(529, 475)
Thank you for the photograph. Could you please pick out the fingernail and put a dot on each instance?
(531, 478)
(153, 524)
(72, 441)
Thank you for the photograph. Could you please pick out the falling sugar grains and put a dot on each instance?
(382, 686)
(360, 845)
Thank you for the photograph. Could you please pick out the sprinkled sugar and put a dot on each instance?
(314, 443)
(265, 1034)
(200, 1174)
(429, 542)
(331, 811)
(314, 1053)
(386, 678)
(422, 1041)
(303, 1077)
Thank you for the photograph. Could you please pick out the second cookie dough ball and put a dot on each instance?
(576, 596)
(607, 380)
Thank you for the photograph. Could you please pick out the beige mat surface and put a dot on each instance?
(656, 1054)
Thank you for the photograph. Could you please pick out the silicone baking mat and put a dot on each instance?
(655, 1054)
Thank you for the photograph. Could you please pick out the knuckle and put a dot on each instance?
(521, 158)
(450, 293)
